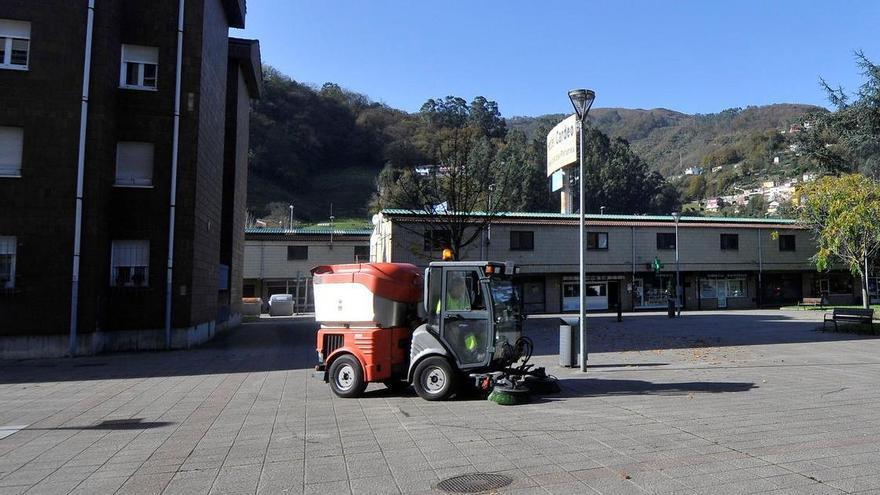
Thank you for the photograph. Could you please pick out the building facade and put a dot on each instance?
(279, 261)
(631, 260)
(123, 162)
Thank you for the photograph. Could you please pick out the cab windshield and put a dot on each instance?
(504, 299)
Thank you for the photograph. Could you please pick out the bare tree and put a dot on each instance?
(459, 194)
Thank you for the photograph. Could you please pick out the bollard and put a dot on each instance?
(619, 312)
(567, 345)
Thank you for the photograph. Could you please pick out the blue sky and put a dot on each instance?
(690, 56)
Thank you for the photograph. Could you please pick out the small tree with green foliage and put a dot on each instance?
(843, 212)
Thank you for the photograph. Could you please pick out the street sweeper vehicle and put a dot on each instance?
(457, 324)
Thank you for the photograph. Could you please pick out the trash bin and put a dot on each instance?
(671, 308)
(567, 344)
(281, 305)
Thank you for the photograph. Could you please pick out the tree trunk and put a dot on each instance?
(866, 298)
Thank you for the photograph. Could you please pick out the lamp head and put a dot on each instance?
(581, 100)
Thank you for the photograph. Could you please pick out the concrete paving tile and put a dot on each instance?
(145, 484)
(92, 486)
(188, 482)
(325, 469)
(280, 477)
(335, 487)
(237, 479)
(570, 488)
(379, 485)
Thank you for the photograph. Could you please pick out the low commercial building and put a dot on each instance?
(279, 261)
(630, 259)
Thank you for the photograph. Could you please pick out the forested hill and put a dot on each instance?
(659, 135)
(316, 147)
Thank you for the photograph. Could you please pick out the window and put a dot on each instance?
(139, 67)
(736, 287)
(665, 240)
(297, 253)
(729, 242)
(522, 240)
(436, 240)
(14, 44)
(786, 242)
(707, 289)
(597, 240)
(130, 263)
(7, 262)
(11, 139)
(362, 254)
(134, 164)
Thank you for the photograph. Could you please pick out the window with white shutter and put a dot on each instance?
(134, 164)
(130, 263)
(11, 139)
(139, 68)
(15, 42)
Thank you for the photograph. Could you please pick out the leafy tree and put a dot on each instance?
(696, 188)
(484, 115)
(756, 207)
(847, 140)
(842, 213)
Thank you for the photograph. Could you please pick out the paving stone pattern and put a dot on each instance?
(719, 403)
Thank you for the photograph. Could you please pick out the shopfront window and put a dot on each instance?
(723, 286)
(654, 291)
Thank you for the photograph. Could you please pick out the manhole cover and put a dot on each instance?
(474, 483)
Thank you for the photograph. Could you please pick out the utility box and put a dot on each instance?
(567, 344)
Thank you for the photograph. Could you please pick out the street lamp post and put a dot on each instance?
(290, 222)
(678, 302)
(581, 100)
(489, 222)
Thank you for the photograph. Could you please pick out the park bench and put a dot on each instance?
(854, 315)
(812, 301)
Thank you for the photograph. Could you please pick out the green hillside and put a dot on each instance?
(323, 148)
(665, 138)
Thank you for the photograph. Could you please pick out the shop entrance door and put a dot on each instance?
(597, 296)
(721, 291)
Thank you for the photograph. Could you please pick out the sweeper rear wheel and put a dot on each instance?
(347, 377)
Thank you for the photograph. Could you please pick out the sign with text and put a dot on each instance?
(562, 145)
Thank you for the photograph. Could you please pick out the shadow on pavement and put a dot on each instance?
(592, 387)
(115, 424)
(267, 345)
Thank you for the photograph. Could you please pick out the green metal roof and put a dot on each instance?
(592, 216)
(306, 231)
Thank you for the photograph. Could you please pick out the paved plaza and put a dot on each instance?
(729, 402)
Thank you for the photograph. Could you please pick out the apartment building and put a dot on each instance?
(279, 261)
(631, 259)
(123, 161)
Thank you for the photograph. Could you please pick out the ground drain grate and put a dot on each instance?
(474, 483)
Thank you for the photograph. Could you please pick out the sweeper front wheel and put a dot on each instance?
(435, 379)
(347, 377)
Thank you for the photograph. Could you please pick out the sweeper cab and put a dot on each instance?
(457, 321)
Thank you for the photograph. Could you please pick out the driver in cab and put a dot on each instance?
(464, 335)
